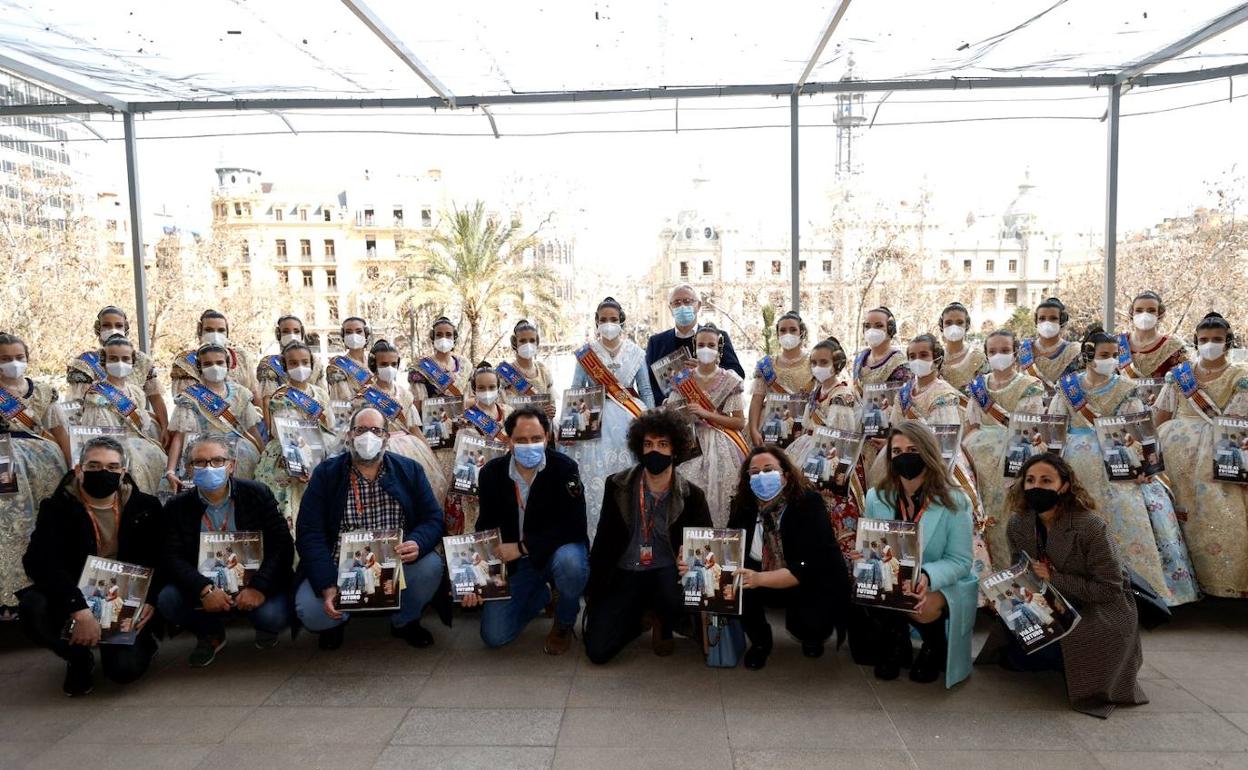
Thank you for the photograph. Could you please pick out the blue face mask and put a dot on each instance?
(766, 485)
(210, 479)
(685, 315)
(529, 455)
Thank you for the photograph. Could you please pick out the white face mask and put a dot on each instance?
(1001, 361)
(954, 333)
(300, 373)
(487, 397)
(1211, 351)
(289, 337)
(790, 341)
(108, 332)
(354, 341)
(214, 338)
(215, 373)
(1144, 321)
(368, 446)
(609, 331)
(1048, 329)
(444, 344)
(387, 373)
(874, 336)
(120, 369)
(921, 366)
(821, 373)
(1105, 366)
(707, 355)
(13, 369)
(526, 350)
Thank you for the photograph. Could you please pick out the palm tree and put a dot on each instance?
(476, 263)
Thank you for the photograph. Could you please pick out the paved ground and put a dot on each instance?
(377, 703)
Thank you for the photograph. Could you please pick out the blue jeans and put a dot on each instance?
(422, 576)
(270, 617)
(503, 620)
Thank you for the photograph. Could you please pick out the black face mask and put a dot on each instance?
(1039, 500)
(100, 484)
(908, 465)
(656, 462)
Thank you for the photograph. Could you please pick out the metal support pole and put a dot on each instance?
(136, 232)
(795, 229)
(1111, 206)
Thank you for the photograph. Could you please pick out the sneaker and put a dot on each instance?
(265, 640)
(414, 634)
(332, 638)
(205, 651)
(79, 676)
(558, 640)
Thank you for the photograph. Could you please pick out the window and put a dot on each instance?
(368, 217)
(426, 218)
(1046, 265)
(307, 279)
(749, 267)
(370, 246)
(328, 214)
(117, 248)
(111, 225)
(303, 215)
(281, 247)
(278, 214)
(238, 209)
(990, 265)
(775, 267)
(398, 244)
(684, 269)
(225, 277)
(827, 267)
(373, 272)
(247, 209)
(305, 247)
(284, 277)
(944, 265)
(332, 306)
(801, 265)
(1013, 265)
(1011, 297)
(398, 217)
(708, 267)
(990, 298)
(246, 250)
(966, 267)
(329, 247)
(331, 280)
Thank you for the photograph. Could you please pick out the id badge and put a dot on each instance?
(646, 556)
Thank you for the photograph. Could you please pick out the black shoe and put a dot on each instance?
(414, 634)
(928, 665)
(80, 676)
(812, 649)
(332, 639)
(756, 657)
(888, 670)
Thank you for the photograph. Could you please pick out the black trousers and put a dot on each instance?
(754, 602)
(894, 625)
(614, 620)
(122, 663)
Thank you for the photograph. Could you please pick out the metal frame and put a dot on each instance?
(136, 231)
(1111, 204)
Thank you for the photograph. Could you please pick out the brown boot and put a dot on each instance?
(558, 640)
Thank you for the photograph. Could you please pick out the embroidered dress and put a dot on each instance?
(1159, 358)
(189, 416)
(268, 381)
(538, 376)
(836, 408)
(461, 373)
(794, 376)
(143, 377)
(892, 369)
(341, 385)
(1216, 521)
(1050, 366)
(143, 452)
(468, 507)
(985, 448)
(38, 466)
(1140, 516)
(241, 371)
(271, 469)
(406, 438)
(715, 471)
(960, 372)
(600, 457)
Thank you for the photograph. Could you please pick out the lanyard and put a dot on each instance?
(521, 504)
(225, 520)
(95, 524)
(355, 491)
(905, 506)
(647, 520)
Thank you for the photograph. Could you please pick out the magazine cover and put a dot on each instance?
(369, 577)
(1129, 446)
(473, 567)
(71, 411)
(950, 439)
(1032, 609)
(885, 574)
(1147, 388)
(341, 413)
(440, 416)
(538, 401)
(667, 367)
(715, 558)
(303, 448)
(1032, 434)
(8, 468)
(115, 592)
(830, 464)
(581, 416)
(1230, 449)
(782, 418)
(472, 452)
(876, 402)
(81, 434)
(229, 559)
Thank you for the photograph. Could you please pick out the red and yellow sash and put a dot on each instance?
(600, 374)
(692, 392)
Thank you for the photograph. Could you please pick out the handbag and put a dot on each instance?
(1149, 606)
(725, 640)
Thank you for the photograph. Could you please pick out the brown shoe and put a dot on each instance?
(554, 600)
(662, 647)
(558, 640)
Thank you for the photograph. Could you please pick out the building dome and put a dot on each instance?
(1019, 220)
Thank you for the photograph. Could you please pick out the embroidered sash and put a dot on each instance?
(14, 410)
(1073, 391)
(1125, 362)
(120, 402)
(766, 369)
(274, 364)
(1027, 360)
(213, 406)
(186, 361)
(348, 366)
(438, 377)
(512, 376)
(302, 401)
(979, 392)
(390, 408)
(488, 426)
(601, 375)
(905, 399)
(1185, 378)
(89, 364)
(860, 362)
(692, 392)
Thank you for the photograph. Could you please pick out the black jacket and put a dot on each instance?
(554, 516)
(812, 555)
(64, 537)
(255, 509)
(687, 508)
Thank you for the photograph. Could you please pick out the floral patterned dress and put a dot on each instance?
(144, 454)
(834, 408)
(271, 469)
(1050, 367)
(716, 470)
(959, 373)
(189, 417)
(461, 374)
(892, 369)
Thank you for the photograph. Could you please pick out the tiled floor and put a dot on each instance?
(377, 703)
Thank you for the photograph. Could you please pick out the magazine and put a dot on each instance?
(538, 401)
(71, 411)
(1032, 434)
(1230, 449)
(1129, 446)
(1032, 609)
(81, 434)
(832, 458)
(1147, 389)
(950, 439)
(877, 401)
(668, 366)
(714, 558)
(473, 566)
(303, 448)
(115, 592)
(581, 416)
(472, 452)
(369, 573)
(885, 575)
(782, 418)
(230, 559)
(8, 467)
(340, 413)
(440, 416)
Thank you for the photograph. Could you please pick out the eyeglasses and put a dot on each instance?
(684, 302)
(99, 466)
(360, 430)
(213, 462)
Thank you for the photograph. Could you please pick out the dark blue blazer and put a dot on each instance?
(664, 343)
(325, 502)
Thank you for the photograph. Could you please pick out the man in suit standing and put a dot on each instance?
(685, 306)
